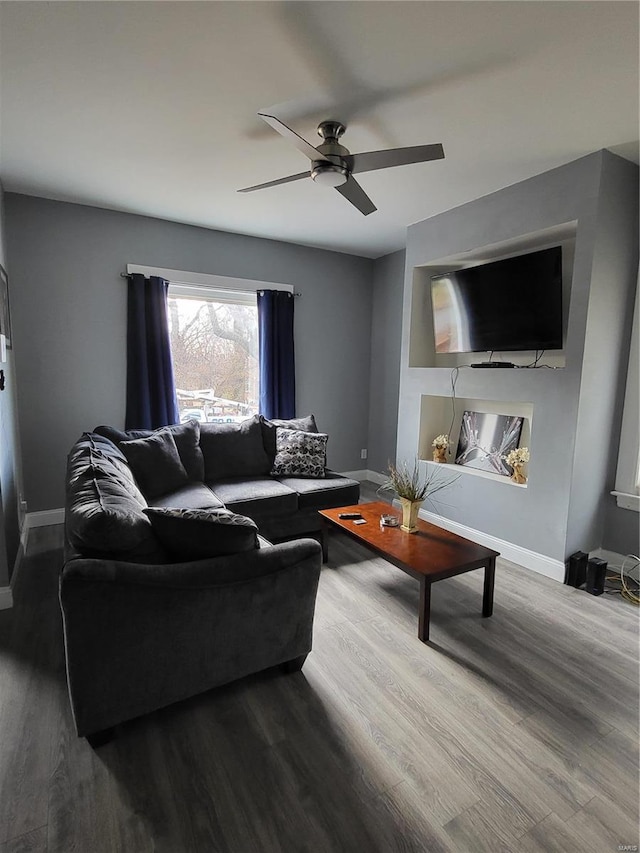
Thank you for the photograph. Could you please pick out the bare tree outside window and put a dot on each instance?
(215, 358)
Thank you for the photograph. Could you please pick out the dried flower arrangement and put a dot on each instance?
(408, 483)
(440, 441)
(517, 457)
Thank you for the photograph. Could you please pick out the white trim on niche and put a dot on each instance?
(206, 280)
(626, 501)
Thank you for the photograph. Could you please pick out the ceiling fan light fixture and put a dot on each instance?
(333, 165)
(329, 174)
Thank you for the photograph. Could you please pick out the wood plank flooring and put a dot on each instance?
(516, 733)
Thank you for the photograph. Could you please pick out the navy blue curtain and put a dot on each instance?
(151, 391)
(277, 363)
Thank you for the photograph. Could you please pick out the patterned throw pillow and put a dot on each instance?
(269, 429)
(194, 534)
(300, 454)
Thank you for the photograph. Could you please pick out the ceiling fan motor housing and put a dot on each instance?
(332, 172)
(331, 130)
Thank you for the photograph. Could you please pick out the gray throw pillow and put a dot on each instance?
(103, 516)
(155, 463)
(306, 423)
(234, 450)
(186, 436)
(195, 534)
(300, 454)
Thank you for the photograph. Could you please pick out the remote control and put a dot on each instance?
(349, 515)
(360, 521)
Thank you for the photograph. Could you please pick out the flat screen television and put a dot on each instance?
(509, 305)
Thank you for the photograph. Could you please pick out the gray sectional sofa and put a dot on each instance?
(170, 585)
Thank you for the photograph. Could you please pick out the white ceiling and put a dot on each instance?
(150, 107)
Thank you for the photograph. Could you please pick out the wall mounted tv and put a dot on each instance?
(509, 305)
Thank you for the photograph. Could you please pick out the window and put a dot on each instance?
(213, 326)
(214, 344)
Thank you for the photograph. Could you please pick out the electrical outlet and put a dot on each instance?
(363, 453)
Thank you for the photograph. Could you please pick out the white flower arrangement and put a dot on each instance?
(517, 457)
(440, 441)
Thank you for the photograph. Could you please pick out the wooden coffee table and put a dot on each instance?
(429, 555)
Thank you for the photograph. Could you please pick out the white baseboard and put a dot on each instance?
(539, 563)
(6, 598)
(616, 561)
(45, 518)
(31, 519)
(22, 550)
(372, 476)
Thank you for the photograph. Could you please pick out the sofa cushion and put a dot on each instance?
(233, 450)
(104, 514)
(103, 445)
(324, 493)
(194, 534)
(93, 449)
(299, 453)
(255, 495)
(187, 438)
(269, 427)
(192, 496)
(303, 524)
(155, 463)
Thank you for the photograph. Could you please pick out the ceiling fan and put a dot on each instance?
(332, 165)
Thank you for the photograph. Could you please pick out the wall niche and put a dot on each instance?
(443, 415)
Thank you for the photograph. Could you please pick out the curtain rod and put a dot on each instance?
(129, 274)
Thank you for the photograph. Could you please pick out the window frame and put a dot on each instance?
(193, 285)
(208, 281)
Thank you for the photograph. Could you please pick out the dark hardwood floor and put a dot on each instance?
(514, 733)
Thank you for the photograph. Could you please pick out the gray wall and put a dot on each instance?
(622, 525)
(561, 507)
(611, 297)
(386, 344)
(69, 316)
(9, 444)
(621, 529)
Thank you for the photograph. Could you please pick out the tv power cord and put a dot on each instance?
(629, 594)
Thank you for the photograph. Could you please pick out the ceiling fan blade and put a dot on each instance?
(354, 193)
(301, 144)
(372, 160)
(297, 177)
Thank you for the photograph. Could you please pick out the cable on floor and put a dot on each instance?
(629, 594)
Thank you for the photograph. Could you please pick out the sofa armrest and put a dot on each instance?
(139, 637)
(211, 572)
